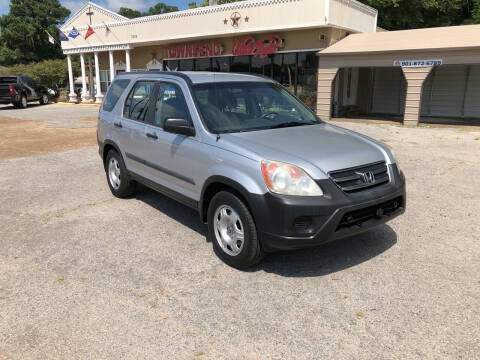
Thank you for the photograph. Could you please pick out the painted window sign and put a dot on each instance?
(192, 50)
(261, 48)
(418, 63)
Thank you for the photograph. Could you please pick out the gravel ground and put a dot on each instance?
(86, 276)
(56, 115)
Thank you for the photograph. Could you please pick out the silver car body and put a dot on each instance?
(316, 149)
(184, 165)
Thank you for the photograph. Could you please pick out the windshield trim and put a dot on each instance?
(273, 83)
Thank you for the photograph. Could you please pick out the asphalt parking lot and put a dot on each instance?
(84, 275)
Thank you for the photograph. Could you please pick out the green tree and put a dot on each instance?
(411, 14)
(193, 4)
(50, 73)
(129, 13)
(475, 12)
(23, 36)
(159, 8)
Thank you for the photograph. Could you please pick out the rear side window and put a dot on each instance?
(8, 80)
(114, 93)
(136, 104)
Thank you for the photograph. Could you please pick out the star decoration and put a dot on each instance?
(235, 18)
(225, 22)
(246, 18)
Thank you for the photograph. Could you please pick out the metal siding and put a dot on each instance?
(472, 98)
(447, 91)
(388, 91)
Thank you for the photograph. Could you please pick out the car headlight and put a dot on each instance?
(287, 179)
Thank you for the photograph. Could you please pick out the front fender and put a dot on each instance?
(243, 182)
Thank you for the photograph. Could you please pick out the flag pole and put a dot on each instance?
(51, 37)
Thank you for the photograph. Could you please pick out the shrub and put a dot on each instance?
(51, 73)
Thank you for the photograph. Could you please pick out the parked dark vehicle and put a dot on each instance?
(20, 90)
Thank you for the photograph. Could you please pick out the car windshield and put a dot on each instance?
(249, 106)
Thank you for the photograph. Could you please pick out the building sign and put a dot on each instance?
(192, 50)
(261, 48)
(418, 63)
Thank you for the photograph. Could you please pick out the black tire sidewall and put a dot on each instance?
(42, 101)
(251, 253)
(126, 185)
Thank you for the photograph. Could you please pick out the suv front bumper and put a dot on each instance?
(294, 222)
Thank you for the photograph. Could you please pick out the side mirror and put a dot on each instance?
(178, 126)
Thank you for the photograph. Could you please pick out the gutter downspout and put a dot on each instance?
(327, 12)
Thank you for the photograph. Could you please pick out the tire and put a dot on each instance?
(224, 231)
(117, 177)
(44, 99)
(23, 102)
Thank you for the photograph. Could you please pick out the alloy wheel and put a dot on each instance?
(114, 174)
(229, 230)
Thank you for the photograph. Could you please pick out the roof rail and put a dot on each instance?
(158, 72)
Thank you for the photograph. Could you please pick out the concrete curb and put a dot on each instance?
(82, 104)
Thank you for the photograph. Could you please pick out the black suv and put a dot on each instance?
(20, 90)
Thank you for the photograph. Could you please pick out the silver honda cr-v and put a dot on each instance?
(261, 169)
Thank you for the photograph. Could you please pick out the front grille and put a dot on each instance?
(362, 177)
(359, 217)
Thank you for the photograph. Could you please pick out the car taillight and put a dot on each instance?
(12, 91)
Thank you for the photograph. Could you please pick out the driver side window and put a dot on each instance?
(170, 104)
(136, 104)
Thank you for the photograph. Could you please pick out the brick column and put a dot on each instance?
(415, 78)
(324, 92)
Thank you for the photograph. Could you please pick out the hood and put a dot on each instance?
(324, 146)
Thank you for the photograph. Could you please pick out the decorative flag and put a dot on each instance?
(89, 33)
(107, 30)
(62, 36)
(73, 33)
(51, 40)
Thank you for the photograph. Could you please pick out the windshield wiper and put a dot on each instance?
(288, 124)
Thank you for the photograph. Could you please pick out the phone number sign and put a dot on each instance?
(418, 63)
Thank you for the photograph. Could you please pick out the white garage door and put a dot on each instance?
(388, 91)
(472, 97)
(447, 89)
(452, 91)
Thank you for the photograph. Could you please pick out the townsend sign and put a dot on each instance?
(192, 50)
(261, 48)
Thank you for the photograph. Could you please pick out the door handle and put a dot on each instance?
(152, 136)
(118, 125)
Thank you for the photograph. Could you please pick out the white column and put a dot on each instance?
(85, 96)
(90, 78)
(98, 95)
(112, 66)
(72, 96)
(127, 60)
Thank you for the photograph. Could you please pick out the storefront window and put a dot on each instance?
(203, 64)
(296, 71)
(262, 66)
(171, 65)
(221, 64)
(240, 64)
(186, 65)
(307, 78)
(284, 69)
(104, 80)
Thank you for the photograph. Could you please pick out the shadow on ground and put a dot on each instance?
(173, 209)
(11, 107)
(323, 260)
(330, 258)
